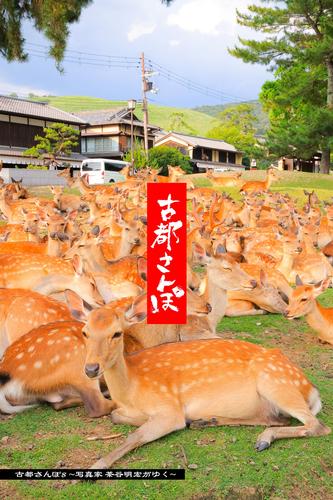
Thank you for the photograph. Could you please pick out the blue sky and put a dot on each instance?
(190, 37)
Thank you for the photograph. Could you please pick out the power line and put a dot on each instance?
(108, 61)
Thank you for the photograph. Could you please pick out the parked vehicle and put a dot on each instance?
(102, 171)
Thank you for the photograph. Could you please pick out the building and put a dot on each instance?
(108, 133)
(311, 165)
(21, 120)
(204, 153)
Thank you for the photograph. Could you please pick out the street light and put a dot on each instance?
(131, 107)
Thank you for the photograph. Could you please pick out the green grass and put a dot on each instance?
(158, 115)
(228, 467)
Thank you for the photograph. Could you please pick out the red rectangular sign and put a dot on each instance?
(166, 249)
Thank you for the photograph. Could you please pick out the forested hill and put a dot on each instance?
(262, 123)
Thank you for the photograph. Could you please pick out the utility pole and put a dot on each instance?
(145, 88)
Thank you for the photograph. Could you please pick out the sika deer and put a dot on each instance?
(48, 275)
(260, 186)
(227, 382)
(22, 310)
(302, 302)
(46, 364)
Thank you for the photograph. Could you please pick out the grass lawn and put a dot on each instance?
(224, 464)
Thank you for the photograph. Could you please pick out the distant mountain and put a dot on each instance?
(184, 120)
(262, 123)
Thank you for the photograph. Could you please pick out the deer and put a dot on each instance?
(263, 298)
(22, 310)
(302, 302)
(46, 364)
(48, 275)
(65, 202)
(225, 180)
(260, 186)
(225, 382)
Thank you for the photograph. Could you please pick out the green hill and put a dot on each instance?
(262, 118)
(189, 120)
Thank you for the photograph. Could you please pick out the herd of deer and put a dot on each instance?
(73, 305)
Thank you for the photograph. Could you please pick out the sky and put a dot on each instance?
(190, 38)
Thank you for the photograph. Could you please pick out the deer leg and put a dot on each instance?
(95, 403)
(154, 428)
(118, 416)
(290, 401)
(68, 402)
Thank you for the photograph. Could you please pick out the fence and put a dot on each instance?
(33, 177)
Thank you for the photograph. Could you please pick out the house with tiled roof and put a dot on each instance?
(21, 120)
(204, 153)
(107, 133)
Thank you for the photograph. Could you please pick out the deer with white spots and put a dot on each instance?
(222, 382)
(46, 364)
(22, 310)
(48, 275)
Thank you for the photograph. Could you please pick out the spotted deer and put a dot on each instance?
(46, 364)
(225, 180)
(302, 302)
(48, 275)
(22, 310)
(225, 382)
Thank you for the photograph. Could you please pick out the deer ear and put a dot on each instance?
(298, 281)
(199, 254)
(137, 312)
(220, 249)
(77, 264)
(320, 287)
(75, 305)
(263, 278)
(142, 268)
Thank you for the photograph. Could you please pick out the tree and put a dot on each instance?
(139, 155)
(297, 32)
(58, 141)
(162, 156)
(50, 17)
(237, 126)
(299, 119)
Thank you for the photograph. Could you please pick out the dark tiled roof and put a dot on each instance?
(36, 109)
(112, 115)
(199, 141)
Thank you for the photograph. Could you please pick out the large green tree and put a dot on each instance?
(296, 33)
(58, 141)
(237, 125)
(51, 17)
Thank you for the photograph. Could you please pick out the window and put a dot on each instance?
(89, 166)
(232, 157)
(222, 156)
(99, 144)
(113, 167)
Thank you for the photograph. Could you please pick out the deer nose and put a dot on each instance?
(92, 370)
(137, 241)
(253, 283)
(209, 307)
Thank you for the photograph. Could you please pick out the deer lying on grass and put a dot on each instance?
(225, 180)
(302, 302)
(48, 275)
(46, 365)
(260, 186)
(227, 382)
(65, 202)
(22, 310)
(261, 299)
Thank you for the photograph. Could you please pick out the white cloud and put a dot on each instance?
(174, 43)
(140, 29)
(210, 17)
(22, 90)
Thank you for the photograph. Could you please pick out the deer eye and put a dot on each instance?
(304, 299)
(117, 334)
(84, 334)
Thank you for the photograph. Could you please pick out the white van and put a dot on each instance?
(102, 171)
